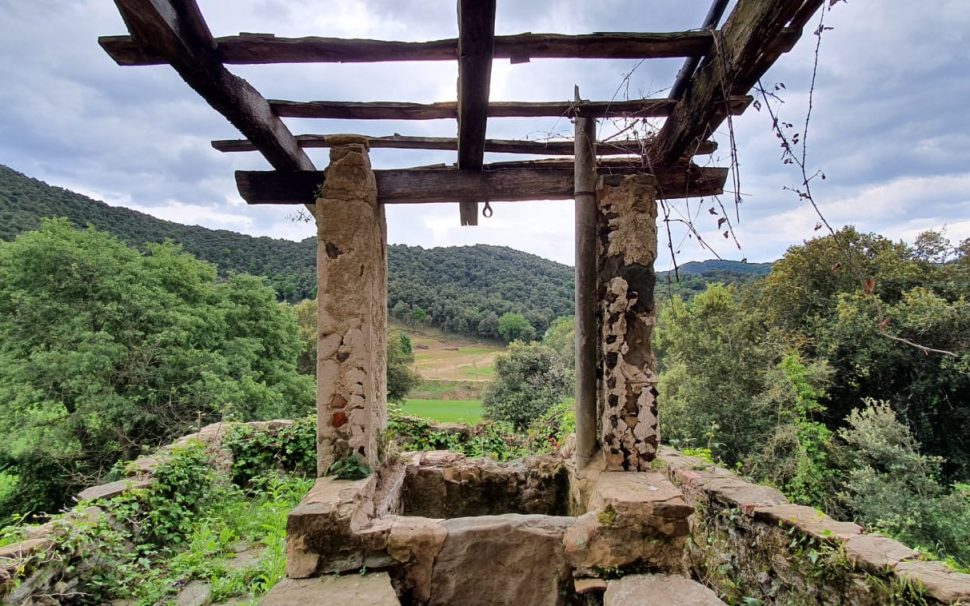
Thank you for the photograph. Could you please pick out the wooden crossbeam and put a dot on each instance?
(391, 110)
(714, 14)
(732, 67)
(504, 146)
(476, 40)
(507, 184)
(175, 30)
(255, 49)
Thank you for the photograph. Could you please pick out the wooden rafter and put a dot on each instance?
(174, 29)
(503, 146)
(476, 40)
(392, 110)
(508, 183)
(257, 49)
(733, 65)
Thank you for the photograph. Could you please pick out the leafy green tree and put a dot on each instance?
(104, 350)
(714, 358)
(401, 378)
(529, 379)
(514, 327)
(894, 488)
(561, 338)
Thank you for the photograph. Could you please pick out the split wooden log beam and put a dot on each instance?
(509, 183)
(392, 110)
(175, 30)
(750, 41)
(476, 41)
(257, 49)
(502, 146)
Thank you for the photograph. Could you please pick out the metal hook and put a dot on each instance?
(487, 211)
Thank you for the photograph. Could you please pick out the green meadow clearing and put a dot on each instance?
(445, 411)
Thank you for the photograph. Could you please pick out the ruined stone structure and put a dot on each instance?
(622, 514)
(352, 313)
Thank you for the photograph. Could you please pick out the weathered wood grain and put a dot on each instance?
(255, 49)
(476, 40)
(393, 110)
(508, 184)
(505, 146)
(732, 65)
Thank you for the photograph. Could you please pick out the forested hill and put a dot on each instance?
(462, 289)
(289, 265)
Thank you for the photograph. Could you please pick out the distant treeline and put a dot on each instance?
(461, 289)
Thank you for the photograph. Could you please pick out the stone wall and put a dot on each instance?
(352, 312)
(748, 542)
(33, 572)
(626, 249)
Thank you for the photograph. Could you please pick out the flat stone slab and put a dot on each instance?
(111, 489)
(498, 560)
(658, 590)
(809, 521)
(196, 593)
(877, 553)
(345, 590)
(947, 586)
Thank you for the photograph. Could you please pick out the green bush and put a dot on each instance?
(893, 488)
(290, 449)
(529, 379)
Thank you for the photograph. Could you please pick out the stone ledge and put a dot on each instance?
(346, 590)
(937, 580)
(809, 520)
(658, 590)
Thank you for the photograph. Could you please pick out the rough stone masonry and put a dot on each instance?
(626, 251)
(352, 309)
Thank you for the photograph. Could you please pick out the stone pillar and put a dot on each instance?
(626, 250)
(352, 310)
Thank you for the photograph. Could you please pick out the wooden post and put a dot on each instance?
(586, 284)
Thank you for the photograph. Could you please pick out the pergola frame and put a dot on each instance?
(721, 65)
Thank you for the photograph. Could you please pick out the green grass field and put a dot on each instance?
(445, 411)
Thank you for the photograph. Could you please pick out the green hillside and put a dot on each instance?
(461, 289)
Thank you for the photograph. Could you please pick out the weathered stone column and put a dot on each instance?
(627, 249)
(352, 310)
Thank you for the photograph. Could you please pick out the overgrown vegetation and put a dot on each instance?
(843, 378)
(105, 351)
(187, 526)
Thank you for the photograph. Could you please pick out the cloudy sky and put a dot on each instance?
(890, 128)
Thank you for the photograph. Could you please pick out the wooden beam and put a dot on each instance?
(714, 14)
(508, 184)
(752, 26)
(391, 110)
(476, 41)
(502, 146)
(254, 49)
(174, 29)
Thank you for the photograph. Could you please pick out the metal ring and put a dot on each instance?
(487, 211)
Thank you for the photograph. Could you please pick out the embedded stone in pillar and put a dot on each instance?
(352, 310)
(626, 250)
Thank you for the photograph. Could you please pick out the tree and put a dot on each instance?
(529, 378)
(104, 350)
(561, 338)
(514, 327)
(401, 378)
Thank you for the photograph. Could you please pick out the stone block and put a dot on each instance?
(658, 590)
(500, 560)
(808, 520)
(319, 533)
(330, 590)
(877, 554)
(937, 580)
(111, 489)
